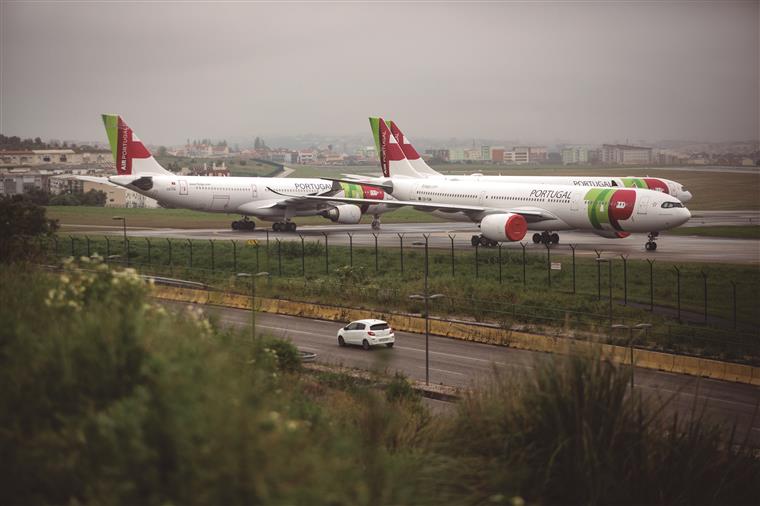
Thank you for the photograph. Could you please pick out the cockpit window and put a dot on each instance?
(668, 205)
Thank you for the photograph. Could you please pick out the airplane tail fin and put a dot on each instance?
(392, 159)
(129, 153)
(411, 154)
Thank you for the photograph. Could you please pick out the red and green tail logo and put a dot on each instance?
(124, 144)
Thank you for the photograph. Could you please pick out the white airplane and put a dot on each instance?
(422, 169)
(249, 196)
(505, 211)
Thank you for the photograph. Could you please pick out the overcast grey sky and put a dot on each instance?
(538, 72)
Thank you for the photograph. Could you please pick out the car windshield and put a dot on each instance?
(379, 326)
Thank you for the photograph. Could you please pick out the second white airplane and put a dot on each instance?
(505, 211)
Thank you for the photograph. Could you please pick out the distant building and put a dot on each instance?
(306, 157)
(574, 155)
(15, 184)
(521, 154)
(497, 155)
(457, 155)
(621, 154)
(485, 153)
(67, 157)
(441, 155)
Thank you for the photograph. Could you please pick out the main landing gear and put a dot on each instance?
(651, 245)
(376, 223)
(483, 241)
(284, 226)
(546, 238)
(244, 224)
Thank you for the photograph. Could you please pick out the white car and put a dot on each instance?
(367, 333)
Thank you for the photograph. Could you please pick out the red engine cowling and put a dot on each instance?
(612, 234)
(504, 227)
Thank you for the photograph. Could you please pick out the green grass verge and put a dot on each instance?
(730, 231)
(185, 218)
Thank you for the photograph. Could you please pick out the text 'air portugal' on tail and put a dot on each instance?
(129, 153)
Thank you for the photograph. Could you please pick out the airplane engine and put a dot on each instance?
(344, 213)
(504, 227)
(612, 234)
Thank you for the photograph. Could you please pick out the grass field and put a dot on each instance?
(733, 232)
(184, 218)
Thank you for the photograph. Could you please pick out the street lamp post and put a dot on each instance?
(253, 297)
(638, 326)
(124, 224)
(427, 298)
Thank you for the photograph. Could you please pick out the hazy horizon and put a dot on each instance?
(573, 72)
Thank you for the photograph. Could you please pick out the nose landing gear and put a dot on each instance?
(376, 223)
(546, 238)
(244, 224)
(651, 245)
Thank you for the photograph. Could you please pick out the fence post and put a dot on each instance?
(598, 274)
(651, 284)
(401, 250)
(477, 272)
(452, 253)
(257, 259)
(303, 256)
(733, 290)
(572, 247)
(525, 279)
(234, 256)
(55, 240)
(211, 241)
(704, 279)
(500, 278)
(678, 291)
(108, 248)
(71, 238)
(147, 240)
(327, 255)
(350, 248)
(256, 244)
(375, 236)
(87, 238)
(279, 258)
(126, 246)
(548, 265)
(625, 279)
(190, 245)
(171, 262)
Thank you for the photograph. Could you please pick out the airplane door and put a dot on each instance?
(254, 191)
(182, 187)
(643, 204)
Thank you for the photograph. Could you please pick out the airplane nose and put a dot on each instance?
(685, 215)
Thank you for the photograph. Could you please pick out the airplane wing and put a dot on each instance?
(95, 179)
(530, 214)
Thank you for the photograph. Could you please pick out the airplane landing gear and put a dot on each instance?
(651, 245)
(376, 223)
(284, 226)
(546, 238)
(483, 241)
(244, 224)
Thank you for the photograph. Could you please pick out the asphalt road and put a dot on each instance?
(670, 247)
(466, 364)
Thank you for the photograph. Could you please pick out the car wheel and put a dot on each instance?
(389, 345)
(365, 344)
(341, 341)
